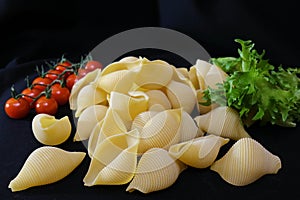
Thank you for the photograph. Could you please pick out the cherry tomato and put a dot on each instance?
(71, 80)
(91, 65)
(60, 94)
(30, 94)
(17, 108)
(63, 66)
(53, 74)
(81, 73)
(41, 83)
(47, 105)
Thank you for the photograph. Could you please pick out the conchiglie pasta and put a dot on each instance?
(200, 152)
(158, 97)
(223, 121)
(87, 120)
(245, 162)
(188, 128)
(181, 96)
(161, 131)
(156, 170)
(114, 160)
(141, 119)
(46, 165)
(109, 81)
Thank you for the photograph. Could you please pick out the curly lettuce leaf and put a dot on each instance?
(257, 89)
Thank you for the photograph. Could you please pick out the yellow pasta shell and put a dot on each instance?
(245, 162)
(141, 119)
(89, 95)
(215, 75)
(109, 81)
(114, 160)
(181, 96)
(188, 128)
(94, 138)
(51, 131)
(87, 120)
(162, 130)
(86, 80)
(200, 152)
(223, 121)
(156, 170)
(46, 165)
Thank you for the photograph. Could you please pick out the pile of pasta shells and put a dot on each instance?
(144, 125)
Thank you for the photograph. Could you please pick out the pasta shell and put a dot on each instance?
(203, 109)
(245, 162)
(161, 131)
(156, 170)
(128, 59)
(46, 165)
(86, 80)
(188, 128)
(158, 97)
(154, 74)
(87, 120)
(215, 75)
(114, 160)
(200, 152)
(89, 95)
(129, 106)
(141, 119)
(181, 96)
(123, 64)
(51, 131)
(109, 81)
(94, 138)
(223, 121)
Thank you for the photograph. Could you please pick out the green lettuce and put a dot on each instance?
(257, 89)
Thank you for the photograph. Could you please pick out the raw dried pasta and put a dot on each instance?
(46, 165)
(245, 162)
(200, 152)
(156, 170)
(223, 121)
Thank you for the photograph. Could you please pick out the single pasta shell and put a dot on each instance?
(156, 170)
(154, 75)
(125, 64)
(223, 121)
(89, 95)
(94, 138)
(87, 120)
(51, 131)
(200, 152)
(161, 131)
(215, 75)
(109, 81)
(158, 97)
(129, 59)
(46, 165)
(86, 80)
(245, 162)
(181, 96)
(114, 160)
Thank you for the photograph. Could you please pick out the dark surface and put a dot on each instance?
(73, 28)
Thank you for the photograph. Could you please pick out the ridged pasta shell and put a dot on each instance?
(181, 96)
(156, 170)
(122, 65)
(51, 131)
(141, 119)
(114, 160)
(129, 106)
(86, 80)
(200, 152)
(89, 95)
(161, 131)
(215, 75)
(245, 162)
(94, 138)
(158, 97)
(87, 120)
(154, 75)
(46, 165)
(223, 121)
(109, 81)
(129, 59)
(188, 128)
(203, 109)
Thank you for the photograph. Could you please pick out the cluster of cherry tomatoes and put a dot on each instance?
(49, 89)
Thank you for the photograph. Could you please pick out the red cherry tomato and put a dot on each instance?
(60, 94)
(53, 74)
(71, 80)
(91, 65)
(47, 105)
(81, 73)
(17, 108)
(30, 94)
(41, 83)
(63, 66)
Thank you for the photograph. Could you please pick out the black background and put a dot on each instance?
(34, 31)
